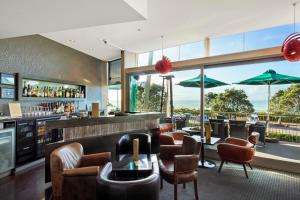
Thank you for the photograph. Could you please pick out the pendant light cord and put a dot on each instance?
(162, 46)
(294, 4)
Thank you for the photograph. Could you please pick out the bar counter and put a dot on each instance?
(87, 127)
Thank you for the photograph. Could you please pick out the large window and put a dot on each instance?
(264, 38)
(192, 50)
(114, 85)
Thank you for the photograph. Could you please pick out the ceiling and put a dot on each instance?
(179, 21)
(19, 18)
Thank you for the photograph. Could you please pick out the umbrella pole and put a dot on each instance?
(202, 103)
(269, 96)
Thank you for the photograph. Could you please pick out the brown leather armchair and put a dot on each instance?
(74, 174)
(165, 139)
(178, 164)
(238, 151)
(171, 138)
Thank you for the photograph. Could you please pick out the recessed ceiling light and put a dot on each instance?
(139, 29)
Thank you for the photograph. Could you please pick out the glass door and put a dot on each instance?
(7, 149)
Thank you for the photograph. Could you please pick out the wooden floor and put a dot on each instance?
(26, 185)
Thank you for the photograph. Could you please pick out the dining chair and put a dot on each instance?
(178, 164)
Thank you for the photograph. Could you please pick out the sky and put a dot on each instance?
(265, 38)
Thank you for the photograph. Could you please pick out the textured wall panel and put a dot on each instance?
(37, 56)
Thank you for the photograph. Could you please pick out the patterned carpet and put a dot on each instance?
(231, 184)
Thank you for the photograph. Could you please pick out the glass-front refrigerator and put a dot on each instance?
(7, 149)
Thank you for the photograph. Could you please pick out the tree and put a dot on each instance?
(286, 101)
(154, 98)
(209, 99)
(275, 105)
(231, 100)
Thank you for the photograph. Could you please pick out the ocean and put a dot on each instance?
(259, 106)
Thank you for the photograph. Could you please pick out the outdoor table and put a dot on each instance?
(196, 134)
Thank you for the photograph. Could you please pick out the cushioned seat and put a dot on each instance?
(73, 174)
(238, 151)
(178, 164)
(109, 188)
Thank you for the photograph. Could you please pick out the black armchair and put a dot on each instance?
(125, 144)
(111, 188)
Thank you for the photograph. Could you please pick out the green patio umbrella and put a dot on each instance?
(270, 77)
(196, 82)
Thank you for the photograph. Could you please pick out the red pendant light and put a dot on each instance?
(291, 48)
(291, 45)
(164, 65)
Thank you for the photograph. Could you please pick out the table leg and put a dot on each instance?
(205, 163)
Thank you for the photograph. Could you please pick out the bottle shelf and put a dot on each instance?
(47, 90)
(51, 99)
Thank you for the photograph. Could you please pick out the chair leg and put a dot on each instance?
(250, 166)
(161, 183)
(183, 185)
(221, 165)
(196, 189)
(175, 191)
(245, 170)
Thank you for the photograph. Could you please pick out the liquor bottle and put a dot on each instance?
(51, 92)
(59, 92)
(25, 89)
(28, 90)
(45, 92)
(55, 93)
(67, 93)
(38, 94)
(33, 94)
(63, 94)
(82, 94)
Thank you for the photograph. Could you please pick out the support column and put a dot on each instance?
(124, 89)
(202, 102)
(202, 113)
(206, 46)
(104, 85)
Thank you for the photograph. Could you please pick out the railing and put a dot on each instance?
(282, 127)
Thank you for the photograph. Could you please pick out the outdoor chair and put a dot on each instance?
(219, 128)
(238, 129)
(261, 129)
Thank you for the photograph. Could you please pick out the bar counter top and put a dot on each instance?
(89, 121)
(9, 119)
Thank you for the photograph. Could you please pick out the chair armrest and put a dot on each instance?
(167, 152)
(185, 163)
(97, 159)
(235, 153)
(236, 141)
(82, 171)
